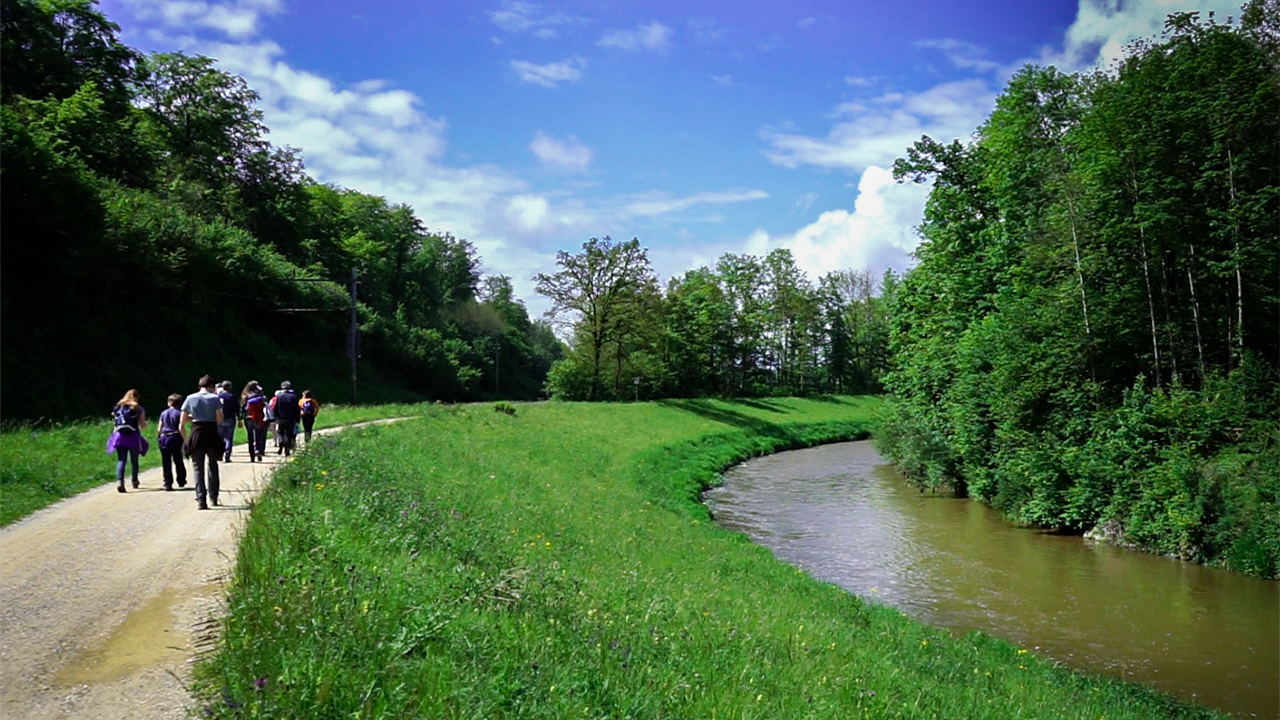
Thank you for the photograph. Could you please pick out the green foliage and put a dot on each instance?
(750, 327)
(1090, 335)
(553, 564)
(154, 234)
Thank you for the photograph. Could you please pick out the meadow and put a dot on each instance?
(553, 560)
(42, 463)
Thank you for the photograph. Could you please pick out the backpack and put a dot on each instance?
(269, 411)
(308, 407)
(126, 418)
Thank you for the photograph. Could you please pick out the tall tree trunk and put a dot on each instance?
(1168, 321)
(1195, 306)
(1238, 352)
(1151, 305)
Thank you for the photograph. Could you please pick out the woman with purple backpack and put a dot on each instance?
(126, 440)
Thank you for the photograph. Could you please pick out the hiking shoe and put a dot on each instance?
(215, 501)
(203, 505)
(136, 485)
(120, 487)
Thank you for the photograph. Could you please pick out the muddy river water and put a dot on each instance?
(843, 515)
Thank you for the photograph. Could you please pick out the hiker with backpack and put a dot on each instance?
(230, 411)
(126, 441)
(203, 409)
(286, 407)
(170, 441)
(253, 404)
(309, 407)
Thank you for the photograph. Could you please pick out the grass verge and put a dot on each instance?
(42, 464)
(555, 563)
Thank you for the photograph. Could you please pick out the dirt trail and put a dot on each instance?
(106, 599)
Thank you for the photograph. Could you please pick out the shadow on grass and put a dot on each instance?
(705, 409)
(762, 404)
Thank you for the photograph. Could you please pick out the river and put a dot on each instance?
(841, 514)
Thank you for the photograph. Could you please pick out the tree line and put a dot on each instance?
(751, 326)
(152, 233)
(1091, 335)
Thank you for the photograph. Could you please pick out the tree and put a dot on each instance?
(599, 293)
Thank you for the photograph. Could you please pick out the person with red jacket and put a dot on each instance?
(253, 403)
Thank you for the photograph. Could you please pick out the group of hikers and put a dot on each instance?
(212, 412)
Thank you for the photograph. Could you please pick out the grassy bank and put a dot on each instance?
(42, 464)
(554, 563)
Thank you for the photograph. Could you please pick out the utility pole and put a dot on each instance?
(497, 369)
(353, 335)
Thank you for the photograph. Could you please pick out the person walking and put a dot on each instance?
(230, 411)
(286, 402)
(309, 407)
(254, 404)
(170, 442)
(203, 409)
(126, 440)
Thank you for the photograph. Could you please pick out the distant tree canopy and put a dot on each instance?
(1092, 332)
(751, 327)
(151, 233)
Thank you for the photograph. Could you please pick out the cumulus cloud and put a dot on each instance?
(877, 235)
(531, 18)
(568, 154)
(1103, 28)
(654, 36)
(238, 19)
(551, 74)
(877, 132)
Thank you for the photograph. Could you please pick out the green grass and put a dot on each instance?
(40, 465)
(555, 563)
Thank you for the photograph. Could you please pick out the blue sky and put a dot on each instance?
(699, 127)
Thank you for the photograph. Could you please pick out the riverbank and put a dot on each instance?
(47, 462)
(556, 563)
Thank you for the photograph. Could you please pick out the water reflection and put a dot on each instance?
(843, 516)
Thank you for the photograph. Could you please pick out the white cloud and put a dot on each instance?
(524, 17)
(529, 211)
(551, 74)
(658, 203)
(877, 132)
(806, 22)
(962, 54)
(568, 154)
(1102, 28)
(853, 81)
(723, 80)
(237, 19)
(654, 36)
(876, 236)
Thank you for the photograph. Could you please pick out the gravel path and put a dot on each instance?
(107, 599)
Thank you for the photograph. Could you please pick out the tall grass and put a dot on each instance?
(42, 464)
(554, 563)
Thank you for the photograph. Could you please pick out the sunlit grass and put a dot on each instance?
(555, 564)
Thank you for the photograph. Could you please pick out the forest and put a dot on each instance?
(153, 233)
(1089, 340)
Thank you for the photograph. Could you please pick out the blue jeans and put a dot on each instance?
(123, 455)
(257, 438)
(227, 430)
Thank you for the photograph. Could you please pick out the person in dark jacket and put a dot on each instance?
(230, 411)
(170, 442)
(203, 409)
(286, 404)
